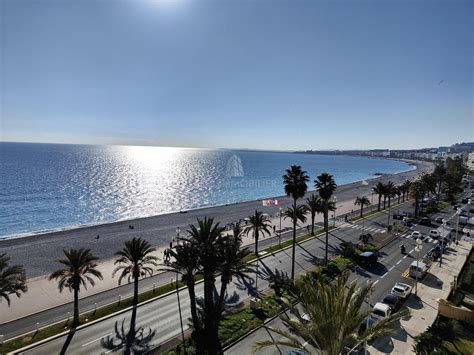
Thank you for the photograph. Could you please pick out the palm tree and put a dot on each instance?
(258, 224)
(379, 189)
(398, 193)
(362, 201)
(185, 262)
(295, 181)
(405, 188)
(134, 262)
(296, 215)
(389, 192)
(79, 267)
(12, 279)
(335, 316)
(439, 174)
(314, 205)
(325, 185)
(417, 192)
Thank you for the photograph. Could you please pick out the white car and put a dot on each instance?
(416, 235)
(434, 233)
(380, 311)
(401, 290)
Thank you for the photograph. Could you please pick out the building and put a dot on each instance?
(470, 161)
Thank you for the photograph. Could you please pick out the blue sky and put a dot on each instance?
(261, 74)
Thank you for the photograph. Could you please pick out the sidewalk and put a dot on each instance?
(44, 294)
(424, 307)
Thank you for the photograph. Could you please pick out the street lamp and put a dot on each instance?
(417, 249)
(458, 212)
(442, 242)
(279, 231)
(334, 212)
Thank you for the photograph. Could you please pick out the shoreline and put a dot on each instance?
(38, 252)
(40, 233)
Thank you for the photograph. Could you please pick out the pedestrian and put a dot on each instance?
(98, 236)
(307, 228)
(274, 229)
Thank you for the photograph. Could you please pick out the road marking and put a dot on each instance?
(383, 275)
(393, 267)
(406, 256)
(117, 347)
(93, 341)
(406, 273)
(411, 251)
(398, 262)
(375, 283)
(383, 231)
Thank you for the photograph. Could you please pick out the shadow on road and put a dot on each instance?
(68, 341)
(134, 340)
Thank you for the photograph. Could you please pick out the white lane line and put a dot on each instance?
(398, 262)
(383, 275)
(117, 347)
(393, 267)
(375, 283)
(406, 256)
(93, 341)
(382, 231)
(411, 251)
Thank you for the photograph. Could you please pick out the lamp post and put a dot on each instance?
(442, 243)
(458, 212)
(334, 212)
(177, 294)
(417, 249)
(279, 231)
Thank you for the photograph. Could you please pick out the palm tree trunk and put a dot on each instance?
(135, 290)
(256, 242)
(384, 201)
(326, 223)
(312, 223)
(76, 308)
(294, 244)
(380, 198)
(361, 210)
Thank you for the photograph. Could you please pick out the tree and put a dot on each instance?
(398, 193)
(417, 192)
(79, 268)
(405, 188)
(206, 251)
(335, 315)
(258, 224)
(389, 192)
(296, 215)
(439, 175)
(314, 205)
(325, 185)
(135, 261)
(379, 189)
(295, 181)
(362, 201)
(12, 279)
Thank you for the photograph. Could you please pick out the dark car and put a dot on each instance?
(368, 258)
(471, 210)
(425, 221)
(393, 301)
(398, 216)
(464, 200)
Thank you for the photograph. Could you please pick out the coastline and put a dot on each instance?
(31, 250)
(40, 233)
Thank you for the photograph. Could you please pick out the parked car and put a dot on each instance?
(464, 200)
(415, 234)
(434, 233)
(455, 207)
(418, 269)
(471, 210)
(439, 220)
(380, 311)
(398, 216)
(401, 290)
(393, 301)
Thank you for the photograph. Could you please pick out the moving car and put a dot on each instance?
(416, 234)
(401, 290)
(425, 221)
(439, 220)
(368, 258)
(393, 301)
(434, 233)
(418, 269)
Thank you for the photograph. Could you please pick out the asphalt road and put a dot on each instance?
(392, 268)
(161, 316)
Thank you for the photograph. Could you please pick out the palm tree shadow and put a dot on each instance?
(247, 284)
(134, 341)
(68, 341)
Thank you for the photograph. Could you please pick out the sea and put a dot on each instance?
(46, 187)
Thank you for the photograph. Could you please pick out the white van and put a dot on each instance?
(418, 269)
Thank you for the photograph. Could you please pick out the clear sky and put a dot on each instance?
(265, 74)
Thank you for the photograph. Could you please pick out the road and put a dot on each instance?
(393, 268)
(160, 317)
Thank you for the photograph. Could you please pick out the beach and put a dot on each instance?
(38, 252)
